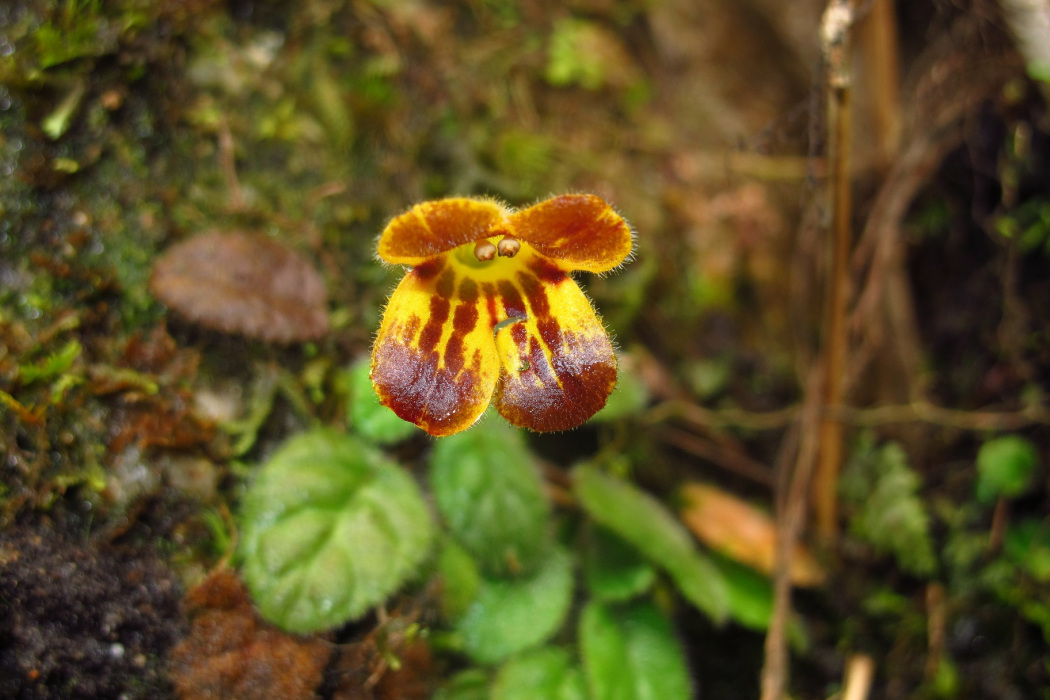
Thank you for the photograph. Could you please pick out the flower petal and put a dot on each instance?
(579, 231)
(559, 366)
(434, 361)
(431, 228)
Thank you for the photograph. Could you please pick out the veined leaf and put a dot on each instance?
(511, 615)
(546, 673)
(630, 653)
(490, 494)
(329, 528)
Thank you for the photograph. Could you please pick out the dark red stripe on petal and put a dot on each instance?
(489, 290)
(550, 332)
(407, 331)
(463, 322)
(439, 310)
(446, 284)
(535, 294)
(468, 290)
(513, 304)
(546, 270)
(429, 269)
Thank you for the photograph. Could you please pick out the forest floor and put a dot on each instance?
(128, 430)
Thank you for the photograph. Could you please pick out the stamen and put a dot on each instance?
(509, 247)
(484, 251)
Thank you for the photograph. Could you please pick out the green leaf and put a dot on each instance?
(511, 615)
(888, 511)
(613, 569)
(491, 496)
(1027, 544)
(369, 418)
(646, 524)
(1005, 467)
(750, 593)
(472, 684)
(546, 673)
(627, 400)
(460, 580)
(329, 528)
(631, 653)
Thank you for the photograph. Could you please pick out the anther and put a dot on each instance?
(508, 247)
(484, 251)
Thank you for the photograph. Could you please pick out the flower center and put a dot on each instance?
(482, 253)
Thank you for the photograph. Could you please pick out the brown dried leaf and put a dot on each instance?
(742, 532)
(154, 422)
(231, 653)
(243, 283)
(364, 670)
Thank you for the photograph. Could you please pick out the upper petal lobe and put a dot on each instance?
(431, 228)
(578, 231)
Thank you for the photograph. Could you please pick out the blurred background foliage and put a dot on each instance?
(634, 557)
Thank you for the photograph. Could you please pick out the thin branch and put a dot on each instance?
(791, 505)
(721, 418)
(730, 460)
(923, 412)
(915, 412)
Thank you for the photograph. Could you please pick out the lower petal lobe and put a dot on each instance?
(559, 366)
(434, 361)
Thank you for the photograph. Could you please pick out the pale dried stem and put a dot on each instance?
(882, 66)
(835, 30)
(860, 671)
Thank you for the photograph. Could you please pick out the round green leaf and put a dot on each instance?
(369, 418)
(613, 569)
(631, 653)
(511, 615)
(1005, 466)
(329, 528)
(472, 684)
(491, 495)
(650, 528)
(544, 673)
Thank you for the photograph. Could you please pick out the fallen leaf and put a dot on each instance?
(742, 532)
(245, 283)
(231, 653)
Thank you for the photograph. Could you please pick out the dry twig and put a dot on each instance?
(835, 31)
(799, 445)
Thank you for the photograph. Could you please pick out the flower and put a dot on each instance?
(489, 313)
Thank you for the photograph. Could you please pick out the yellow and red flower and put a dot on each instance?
(489, 313)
